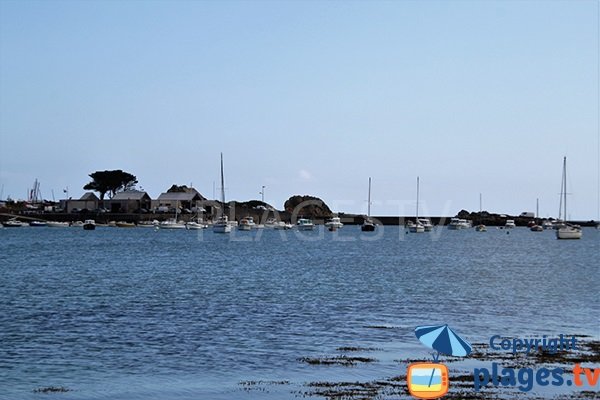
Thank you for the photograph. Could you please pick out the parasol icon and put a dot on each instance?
(443, 340)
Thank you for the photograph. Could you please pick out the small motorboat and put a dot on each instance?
(55, 224)
(123, 224)
(38, 223)
(89, 225)
(13, 223)
(193, 225)
(246, 224)
(305, 224)
(334, 224)
(537, 228)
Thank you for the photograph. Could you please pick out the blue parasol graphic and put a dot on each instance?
(444, 340)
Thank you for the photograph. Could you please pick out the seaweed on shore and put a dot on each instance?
(461, 384)
(348, 349)
(52, 389)
(336, 360)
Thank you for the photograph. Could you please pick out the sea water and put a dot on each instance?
(169, 314)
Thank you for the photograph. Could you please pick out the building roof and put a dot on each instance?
(130, 195)
(89, 196)
(179, 196)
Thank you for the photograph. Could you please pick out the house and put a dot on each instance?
(130, 201)
(185, 200)
(89, 201)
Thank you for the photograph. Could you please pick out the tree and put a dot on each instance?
(110, 182)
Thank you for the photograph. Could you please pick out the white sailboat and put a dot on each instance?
(481, 227)
(222, 225)
(418, 226)
(173, 223)
(566, 230)
(368, 225)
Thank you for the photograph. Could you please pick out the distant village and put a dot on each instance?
(126, 203)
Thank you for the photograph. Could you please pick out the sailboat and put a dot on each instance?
(566, 230)
(481, 227)
(368, 225)
(418, 227)
(222, 224)
(172, 223)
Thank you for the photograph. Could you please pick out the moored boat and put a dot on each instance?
(123, 224)
(272, 223)
(368, 225)
(246, 224)
(567, 230)
(334, 224)
(547, 224)
(148, 224)
(426, 223)
(55, 224)
(38, 224)
(89, 225)
(458, 223)
(222, 225)
(193, 225)
(171, 223)
(417, 226)
(305, 224)
(13, 223)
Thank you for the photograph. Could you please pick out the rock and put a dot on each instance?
(307, 206)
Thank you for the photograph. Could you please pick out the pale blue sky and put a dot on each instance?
(307, 97)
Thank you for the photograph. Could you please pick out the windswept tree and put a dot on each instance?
(110, 182)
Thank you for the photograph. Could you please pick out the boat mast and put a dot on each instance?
(222, 187)
(562, 190)
(369, 200)
(417, 217)
(565, 186)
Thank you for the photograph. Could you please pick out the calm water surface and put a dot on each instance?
(144, 314)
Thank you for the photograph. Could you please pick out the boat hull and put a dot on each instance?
(53, 224)
(12, 224)
(221, 228)
(172, 226)
(125, 225)
(367, 227)
(569, 233)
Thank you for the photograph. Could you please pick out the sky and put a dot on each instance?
(308, 97)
